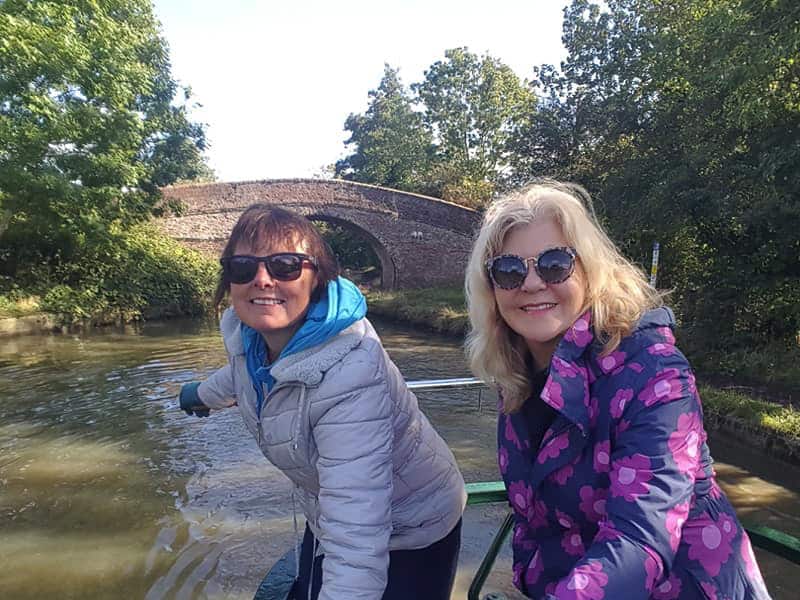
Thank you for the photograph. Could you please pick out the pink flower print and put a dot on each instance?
(669, 589)
(522, 537)
(612, 361)
(676, 517)
(553, 447)
(566, 521)
(502, 460)
(516, 578)
(629, 477)
(749, 559)
(602, 457)
(565, 369)
(511, 434)
(579, 333)
(691, 383)
(552, 394)
(710, 542)
(606, 531)
(715, 492)
(593, 503)
(538, 515)
(685, 442)
(652, 569)
(659, 349)
(664, 387)
(521, 497)
(618, 402)
(594, 411)
(635, 367)
(534, 570)
(586, 582)
(561, 476)
(666, 333)
(572, 543)
(709, 589)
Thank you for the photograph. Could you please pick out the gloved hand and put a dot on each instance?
(190, 402)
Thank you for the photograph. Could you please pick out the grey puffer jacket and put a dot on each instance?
(372, 474)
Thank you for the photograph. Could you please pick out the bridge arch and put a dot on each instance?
(420, 241)
(388, 268)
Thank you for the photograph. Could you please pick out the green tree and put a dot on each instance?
(90, 128)
(391, 147)
(471, 104)
(683, 118)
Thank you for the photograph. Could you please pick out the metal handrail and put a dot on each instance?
(486, 492)
(457, 382)
(432, 384)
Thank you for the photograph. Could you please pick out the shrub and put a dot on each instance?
(135, 271)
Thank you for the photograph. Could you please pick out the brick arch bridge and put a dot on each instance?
(420, 241)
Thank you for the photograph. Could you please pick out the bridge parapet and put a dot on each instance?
(420, 241)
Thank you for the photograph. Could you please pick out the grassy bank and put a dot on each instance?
(444, 310)
(15, 305)
(440, 309)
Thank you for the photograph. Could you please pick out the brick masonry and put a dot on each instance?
(420, 241)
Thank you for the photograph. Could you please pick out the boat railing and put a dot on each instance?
(424, 385)
(493, 492)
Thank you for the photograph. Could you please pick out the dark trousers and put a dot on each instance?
(424, 574)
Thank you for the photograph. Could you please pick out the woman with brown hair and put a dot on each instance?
(380, 490)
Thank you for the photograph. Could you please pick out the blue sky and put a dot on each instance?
(276, 80)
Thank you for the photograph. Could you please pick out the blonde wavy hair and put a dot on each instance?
(617, 292)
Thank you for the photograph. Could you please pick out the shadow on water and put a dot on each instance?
(108, 491)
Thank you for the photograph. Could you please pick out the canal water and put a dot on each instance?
(107, 490)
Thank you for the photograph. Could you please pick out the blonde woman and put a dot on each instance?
(600, 436)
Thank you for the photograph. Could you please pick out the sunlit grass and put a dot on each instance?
(20, 307)
(767, 417)
(442, 309)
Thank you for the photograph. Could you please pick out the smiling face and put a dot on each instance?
(539, 312)
(276, 309)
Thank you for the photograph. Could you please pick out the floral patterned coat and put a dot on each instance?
(619, 499)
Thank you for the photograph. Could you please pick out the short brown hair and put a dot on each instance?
(264, 223)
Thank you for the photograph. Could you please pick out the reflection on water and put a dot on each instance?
(108, 491)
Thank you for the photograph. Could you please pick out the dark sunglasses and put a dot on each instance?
(553, 265)
(284, 266)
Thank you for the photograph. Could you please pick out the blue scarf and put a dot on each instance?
(340, 306)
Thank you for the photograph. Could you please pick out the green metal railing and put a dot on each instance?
(487, 492)
(277, 583)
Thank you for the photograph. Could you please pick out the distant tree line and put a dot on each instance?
(683, 120)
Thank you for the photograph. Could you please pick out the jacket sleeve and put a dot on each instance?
(354, 440)
(217, 391)
(653, 465)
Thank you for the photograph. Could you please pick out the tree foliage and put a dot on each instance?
(448, 138)
(391, 145)
(90, 128)
(684, 119)
(471, 103)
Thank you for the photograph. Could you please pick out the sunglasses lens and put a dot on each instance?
(555, 266)
(286, 267)
(241, 269)
(508, 272)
